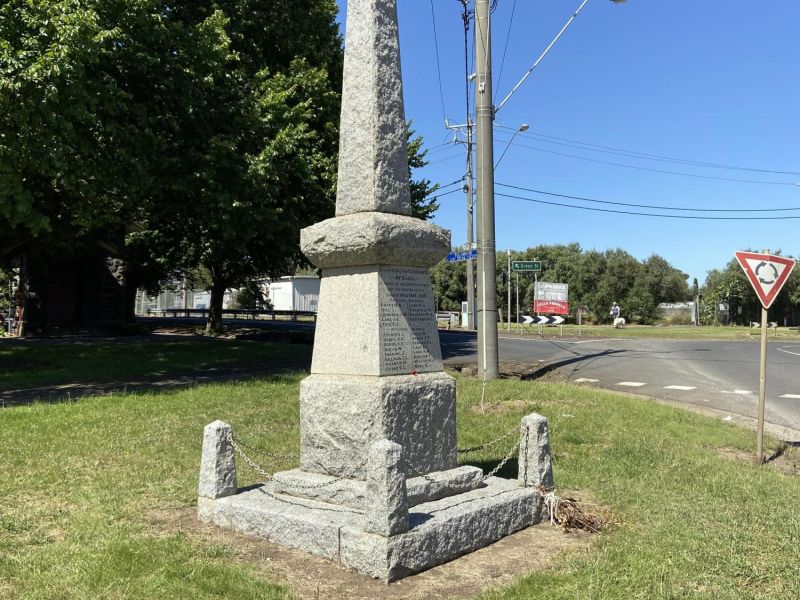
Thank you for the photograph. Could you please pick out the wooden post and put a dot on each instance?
(762, 390)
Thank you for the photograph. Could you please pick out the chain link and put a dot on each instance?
(419, 473)
(266, 453)
(494, 442)
(314, 486)
(237, 446)
(251, 463)
(503, 462)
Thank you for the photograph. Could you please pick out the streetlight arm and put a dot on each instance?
(542, 55)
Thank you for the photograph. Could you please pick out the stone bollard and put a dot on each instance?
(217, 466)
(387, 508)
(535, 457)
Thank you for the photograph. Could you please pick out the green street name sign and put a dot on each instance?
(532, 266)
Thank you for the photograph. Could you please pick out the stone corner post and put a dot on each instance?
(387, 508)
(535, 456)
(217, 464)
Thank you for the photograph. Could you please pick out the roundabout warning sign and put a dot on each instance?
(767, 273)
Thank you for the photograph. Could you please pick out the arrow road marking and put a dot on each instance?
(631, 383)
(683, 388)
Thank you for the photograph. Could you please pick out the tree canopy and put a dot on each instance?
(729, 287)
(595, 279)
(205, 130)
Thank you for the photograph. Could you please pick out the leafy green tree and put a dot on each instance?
(731, 286)
(258, 163)
(449, 283)
(423, 203)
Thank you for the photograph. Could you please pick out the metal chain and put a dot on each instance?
(237, 446)
(507, 434)
(314, 486)
(252, 464)
(503, 462)
(419, 473)
(266, 453)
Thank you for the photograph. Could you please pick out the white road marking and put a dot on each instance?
(683, 388)
(728, 418)
(789, 351)
(738, 392)
(631, 383)
(793, 396)
(586, 380)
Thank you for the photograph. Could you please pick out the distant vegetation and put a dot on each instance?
(730, 286)
(596, 280)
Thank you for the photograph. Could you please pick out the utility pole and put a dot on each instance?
(508, 281)
(470, 236)
(488, 361)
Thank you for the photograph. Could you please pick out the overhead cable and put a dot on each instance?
(438, 65)
(638, 168)
(634, 154)
(643, 214)
(653, 206)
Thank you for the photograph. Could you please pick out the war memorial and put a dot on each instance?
(379, 488)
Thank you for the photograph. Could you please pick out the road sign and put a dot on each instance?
(459, 256)
(543, 320)
(530, 266)
(767, 273)
(551, 298)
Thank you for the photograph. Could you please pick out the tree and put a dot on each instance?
(730, 286)
(449, 283)
(258, 163)
(422, 204)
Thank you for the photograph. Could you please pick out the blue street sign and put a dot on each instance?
(459, 256)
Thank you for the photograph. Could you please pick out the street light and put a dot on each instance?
(523, 127)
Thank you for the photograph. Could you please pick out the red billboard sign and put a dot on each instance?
(553, 307)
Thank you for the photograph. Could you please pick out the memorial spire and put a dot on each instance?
(373, 160)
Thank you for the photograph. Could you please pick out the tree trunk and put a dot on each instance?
(214, 323)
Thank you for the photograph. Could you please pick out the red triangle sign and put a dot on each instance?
(767, 273)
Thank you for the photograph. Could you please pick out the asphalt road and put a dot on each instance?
(722, 376)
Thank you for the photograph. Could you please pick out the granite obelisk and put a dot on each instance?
(377, 369)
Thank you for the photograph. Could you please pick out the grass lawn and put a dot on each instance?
(39, 364)
(679, 332)
(79, 483)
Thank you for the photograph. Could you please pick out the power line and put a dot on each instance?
(637, 168)
(632, 153)
(438, 65)
(447, 185)
(642, 214)
(446, 159)
(508, 37)
(721, 210)
(446, 193)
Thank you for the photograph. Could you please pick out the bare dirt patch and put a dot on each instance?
(786, 458)
(311, 577)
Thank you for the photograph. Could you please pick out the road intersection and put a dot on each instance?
(718, 377)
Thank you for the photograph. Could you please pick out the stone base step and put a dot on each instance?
(352, 492)
(441, 530)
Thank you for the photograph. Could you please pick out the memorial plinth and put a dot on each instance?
(379, 488)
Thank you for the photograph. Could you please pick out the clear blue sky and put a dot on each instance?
(708, 81)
